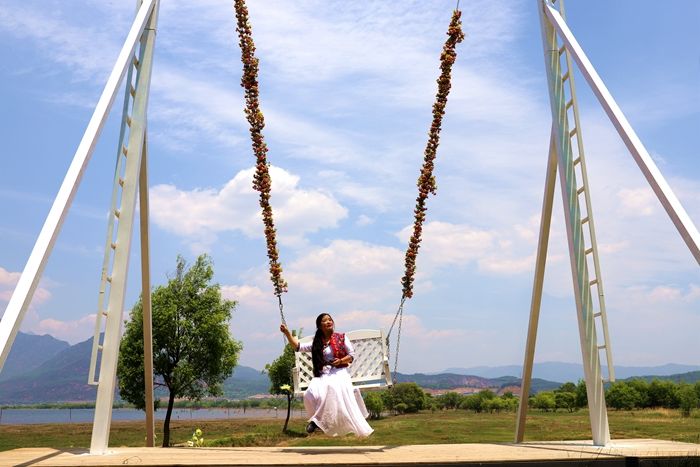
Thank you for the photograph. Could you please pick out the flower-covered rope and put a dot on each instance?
(261, 179)
(426, 180)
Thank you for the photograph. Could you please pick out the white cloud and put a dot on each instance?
(73, 331)
(363, 220)
(347, 270)
(8, 278)
(248, 297)
(8, 281)
(201, 214)
(71, 45)
(637, 201)
(669, 294)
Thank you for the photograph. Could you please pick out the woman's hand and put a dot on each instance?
(340, 361)
(293, 341)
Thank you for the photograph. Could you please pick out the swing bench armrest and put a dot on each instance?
(387, 371)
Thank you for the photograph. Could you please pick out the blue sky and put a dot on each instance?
(347, 90)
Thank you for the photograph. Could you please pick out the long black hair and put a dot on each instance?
(317, 346)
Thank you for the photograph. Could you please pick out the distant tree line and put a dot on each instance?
(622, 395)
(410, 398)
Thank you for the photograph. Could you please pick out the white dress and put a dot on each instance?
(331, 401)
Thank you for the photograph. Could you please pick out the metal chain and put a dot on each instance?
(284, 321)
(279, 298)
(400, 310)
(399, 316)
(398, 343)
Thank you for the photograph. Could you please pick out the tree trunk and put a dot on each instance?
(289, 409)
(166, 423)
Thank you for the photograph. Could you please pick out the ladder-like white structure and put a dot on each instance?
(135, 60)
(369, 369)
(566, 156)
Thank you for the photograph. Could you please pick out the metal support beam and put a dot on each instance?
(574, 231)
(110, 351)
(542, 245)
(146, 295)
(29, 280)
(680, 218)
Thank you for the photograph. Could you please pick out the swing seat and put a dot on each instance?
(369, 369)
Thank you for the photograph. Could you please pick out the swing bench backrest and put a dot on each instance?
(369, 369)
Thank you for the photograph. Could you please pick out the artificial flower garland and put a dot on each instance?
(261, 179)
(426, 180)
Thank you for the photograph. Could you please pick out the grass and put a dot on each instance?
(423, 428)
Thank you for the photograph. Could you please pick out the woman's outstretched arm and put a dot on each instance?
(293, 341)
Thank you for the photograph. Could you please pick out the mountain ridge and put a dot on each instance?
(563, 372)
(55, 371)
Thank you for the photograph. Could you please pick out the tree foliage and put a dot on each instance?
(410, 395)
(193, 351)
(374, 404)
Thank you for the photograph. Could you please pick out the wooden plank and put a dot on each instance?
(443, 454)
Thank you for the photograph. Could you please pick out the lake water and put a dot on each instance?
(33, 416)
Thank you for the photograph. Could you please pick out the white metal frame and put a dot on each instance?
(553, 26)
(19, 302)
(370, 369)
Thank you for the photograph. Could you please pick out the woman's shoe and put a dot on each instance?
(311, 427)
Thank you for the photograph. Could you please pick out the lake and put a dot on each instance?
(33, 416)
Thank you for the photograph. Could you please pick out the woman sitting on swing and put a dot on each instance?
(331, 402)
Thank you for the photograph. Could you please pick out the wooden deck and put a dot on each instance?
(622, 452)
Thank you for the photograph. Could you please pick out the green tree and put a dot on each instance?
(486, 394)
(642, 388)
(566, 387)
(472, 402)
(688, 398)
(622, 396)
(449, 400)
(565, 400)
(663, 394)
(280, 374)
(544, 401)
(374, 404)
(495, 405)
(388, 399)
(581, 394)
(409, 394)
(193, 351)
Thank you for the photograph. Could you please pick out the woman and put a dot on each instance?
(331, 402)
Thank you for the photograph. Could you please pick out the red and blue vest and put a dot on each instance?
(337, 344)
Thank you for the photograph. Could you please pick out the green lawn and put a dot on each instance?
(422, 428)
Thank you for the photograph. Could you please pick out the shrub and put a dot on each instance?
(688, 399)
(374, 404)
(565, 400)
(449, 400)
(622, 396)
(472, 402)
(409, 394)
(543, 401)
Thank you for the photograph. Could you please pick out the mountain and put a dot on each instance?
(563, 372)
(446, 381)
(45, 369)
(28, 352)
(245, 382)
(690, 377)
(62, 375)
(61, 378)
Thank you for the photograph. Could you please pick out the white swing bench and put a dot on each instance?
(369, 369)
